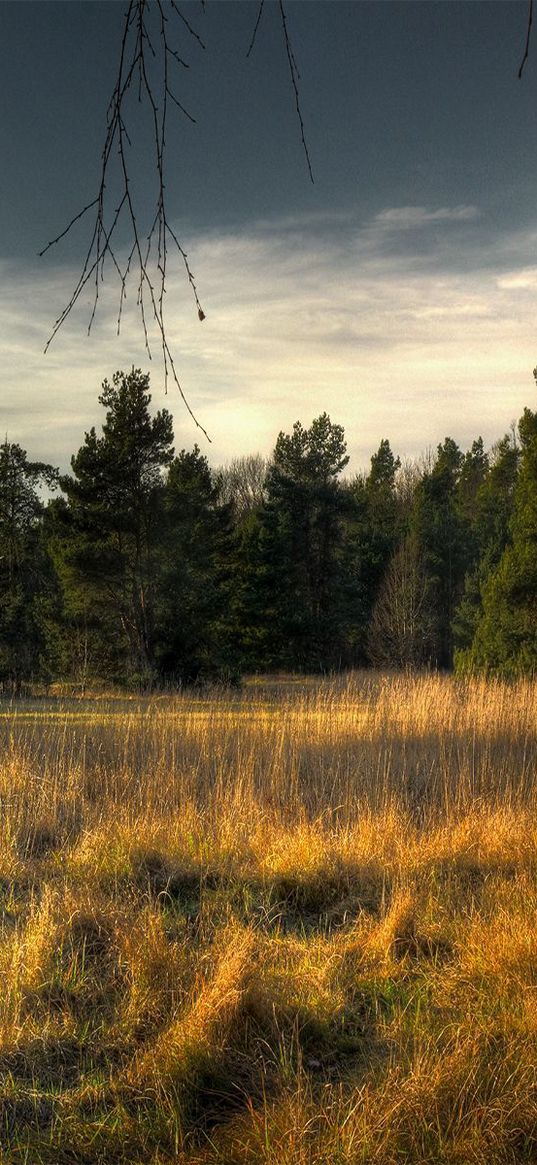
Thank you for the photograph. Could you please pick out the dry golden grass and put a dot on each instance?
(294, 925)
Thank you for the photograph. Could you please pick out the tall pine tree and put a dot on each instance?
(26, 580)
(290, 608)
(192, 610)
(107, 541)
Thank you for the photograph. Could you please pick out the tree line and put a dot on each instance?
(147, 568)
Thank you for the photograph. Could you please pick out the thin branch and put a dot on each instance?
(182, 17)
(147, 61)
(140, 44)
(256, 26)
(295, 77)
(80, 214)
(528, 38)
(179, 106)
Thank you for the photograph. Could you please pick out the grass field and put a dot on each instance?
(295, 925)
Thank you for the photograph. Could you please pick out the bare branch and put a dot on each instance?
(182, 17)
(528, 38)
(179, 106)
(146, 72)
(256, 26)
(80, 214)
(140, 44)
(295, 77)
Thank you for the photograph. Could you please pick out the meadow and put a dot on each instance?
(293, 924)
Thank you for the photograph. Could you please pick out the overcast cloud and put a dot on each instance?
(411, 325)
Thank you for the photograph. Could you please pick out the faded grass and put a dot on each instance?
(295, 924)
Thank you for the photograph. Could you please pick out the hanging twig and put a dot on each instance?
(146, 53)
(528, 38)
(256, 26)
(137, 42)
(293, 69)
(295, 78)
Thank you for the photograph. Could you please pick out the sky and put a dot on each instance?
(398, 292)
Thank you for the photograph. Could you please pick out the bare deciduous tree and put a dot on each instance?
(402, 626)
(242, 483)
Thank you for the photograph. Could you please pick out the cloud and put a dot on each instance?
(416, 217)
(389, 341)
(519, 280)
(305, 221)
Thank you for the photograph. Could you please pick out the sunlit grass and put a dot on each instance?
(292, 923)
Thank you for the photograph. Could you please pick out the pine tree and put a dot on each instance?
(505, 640)
(26, 579)
(192, 611)
(107, 541)
(291, 604)
(441, 531)
(491, 512)
(373, 531)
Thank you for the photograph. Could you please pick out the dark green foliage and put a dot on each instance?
(156, 570)
(373, 531)
(107, 543)
(193, 636)
(441, 532)
(474, 469)
(27, 588)
(381, 514)
(290, 612)
(140, 545)
(252, 593)
(492, 510)
(505, 638)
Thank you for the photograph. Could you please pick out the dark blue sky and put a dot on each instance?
(410, 109)
(404, 102)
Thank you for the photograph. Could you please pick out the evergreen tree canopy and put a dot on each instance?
(25, 577)
(489, 512)
(193, 604)
(372, 534)
(152, 568)
(440, 530)
(505, 639)
(314, 456)
(292, 552)
(108, 538)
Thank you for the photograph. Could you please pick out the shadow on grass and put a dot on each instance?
(328, 899)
